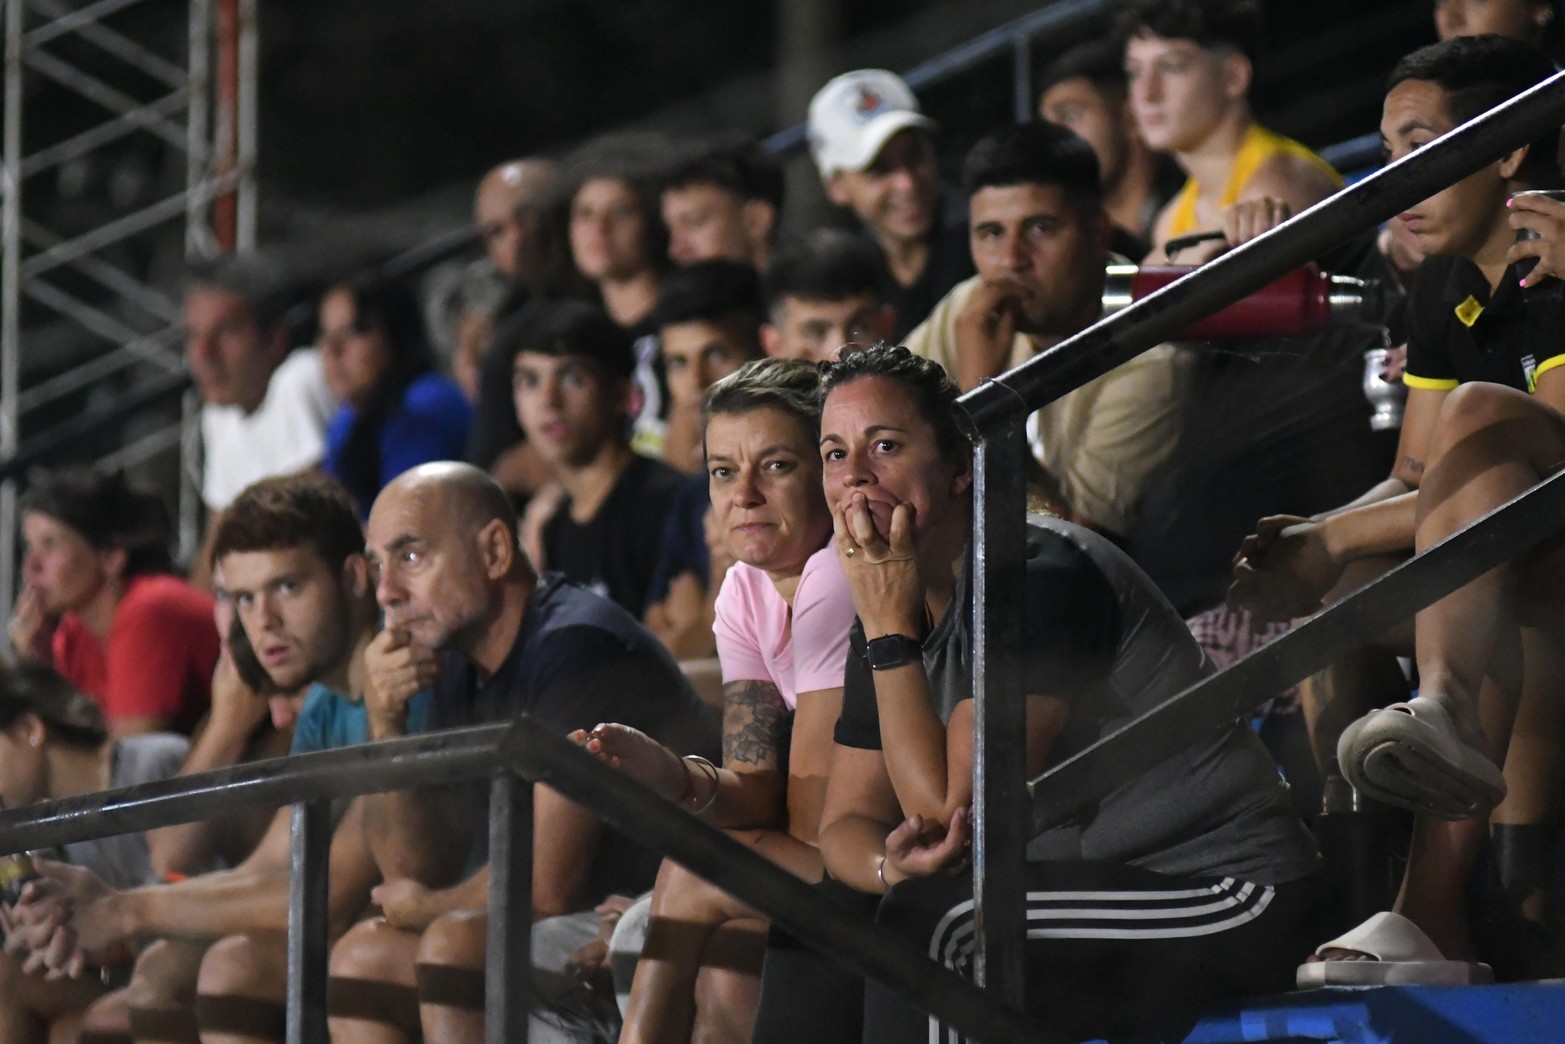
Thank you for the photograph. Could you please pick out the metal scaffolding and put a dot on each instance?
(86, 80)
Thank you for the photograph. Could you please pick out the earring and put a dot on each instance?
(33, 741)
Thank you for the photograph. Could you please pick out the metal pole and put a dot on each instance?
(508, 962)
(1021, 78)
(1159, 316)
(198, 140)
(999, 714)
(10, 297)
(248, 126)
(226, 145)
(309, 922)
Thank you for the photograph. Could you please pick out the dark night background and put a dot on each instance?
(369, 106)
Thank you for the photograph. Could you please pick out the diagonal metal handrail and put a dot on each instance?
(541, 756)
(1209, 706)
(429, 759)
(1002, 796)
(1161, 315)
(448, 757)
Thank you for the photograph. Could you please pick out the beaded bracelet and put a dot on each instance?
(690, 794)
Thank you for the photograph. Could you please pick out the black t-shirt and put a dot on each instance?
(1097, 634)
(578, 660)
(683, 547)
(1457, 333)
(616, 552)
(950, 262)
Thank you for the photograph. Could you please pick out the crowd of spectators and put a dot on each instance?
(698, 494)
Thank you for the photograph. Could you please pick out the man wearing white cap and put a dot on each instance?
(876, 157)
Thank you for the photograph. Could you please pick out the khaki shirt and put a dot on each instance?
(1101, 441)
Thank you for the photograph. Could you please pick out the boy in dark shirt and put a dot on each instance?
(572, 382)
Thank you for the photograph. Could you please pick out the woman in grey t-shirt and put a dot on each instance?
(1188, 884)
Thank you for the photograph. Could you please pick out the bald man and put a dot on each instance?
(463, 607)
(507, 212)
(506, 216)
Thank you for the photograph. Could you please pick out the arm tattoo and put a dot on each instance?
(756, 723)
(1413, 465)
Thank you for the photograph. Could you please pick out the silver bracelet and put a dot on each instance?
(708, 766)
(880, 872)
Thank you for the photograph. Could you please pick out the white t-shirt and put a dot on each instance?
(286, 433)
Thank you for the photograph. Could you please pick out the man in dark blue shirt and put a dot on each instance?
(466, 612)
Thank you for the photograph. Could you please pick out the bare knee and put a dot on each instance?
(109, 1015)
(456, 939)
(251, 965)
(165, 975)
(374, 950)
(1474, 405)
(681, 891)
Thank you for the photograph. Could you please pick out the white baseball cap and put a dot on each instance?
(853, 116)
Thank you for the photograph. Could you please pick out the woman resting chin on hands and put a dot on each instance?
(1182, 886)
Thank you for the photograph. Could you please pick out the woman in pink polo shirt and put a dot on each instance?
(783, 616)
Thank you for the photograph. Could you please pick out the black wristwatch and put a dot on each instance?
(892, 650)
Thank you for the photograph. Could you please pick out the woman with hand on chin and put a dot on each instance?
(782, 619)
(1195, 867)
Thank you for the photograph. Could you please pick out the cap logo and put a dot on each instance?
(866, 104)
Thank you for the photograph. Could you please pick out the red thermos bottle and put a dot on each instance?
(1304, 301)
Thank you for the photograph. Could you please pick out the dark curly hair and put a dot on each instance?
(926, 383)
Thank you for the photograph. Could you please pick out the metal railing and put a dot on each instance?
(1007, 807)
(1003, 798)
(512, 757)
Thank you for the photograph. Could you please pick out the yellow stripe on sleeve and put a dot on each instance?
(1429, 383)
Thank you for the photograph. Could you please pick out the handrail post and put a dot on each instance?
(508, 963)
(1000, 800)
(1021, 78)
(309, 922)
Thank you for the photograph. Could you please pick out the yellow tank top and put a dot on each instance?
(1259, 146)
